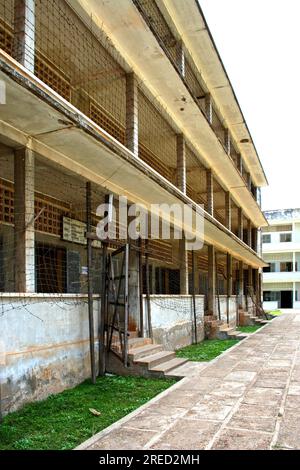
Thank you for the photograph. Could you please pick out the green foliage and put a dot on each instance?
(206, 350)
(63, 421)
(249, 329)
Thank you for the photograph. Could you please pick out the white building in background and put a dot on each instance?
(281, 249)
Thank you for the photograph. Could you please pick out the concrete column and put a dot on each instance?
(181, 183)
(294, 261)
(134, 290)
(180, 58)
(249, 181)
(211, 281)
(210, 191)
(228, 284)
(240, 163)
(197, 272)
(250, 276)
(240, 223)
(24, 221)
(228, 210)
(241, 284)
(227, 141)
(184, 267)
(208, 107)
(24, 33)
(229, 274)
(249, 233)
(132, 133)
(294, 294)
(254, 239)
(181, 163)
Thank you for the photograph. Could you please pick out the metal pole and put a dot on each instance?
(140, 255)
(90, 285)
(126, 305)
(102, 322)
(148, 291)
(194, 297)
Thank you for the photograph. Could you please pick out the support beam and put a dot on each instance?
(24, 33)
(181, 163)
(210, 191)
(208, 108)
(211, 284)
(228, 210)
(241, 284)
(240, 223)
(132, 132)
(24, 221)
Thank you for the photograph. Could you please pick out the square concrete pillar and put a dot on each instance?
(240, 223)
(181, 163)
(132, 131)
(249, 233)
(228, 210)
(210, 191)
(208, 108)
(211, 281)
(227, 141)
(228, 283)
(240, 163)
(241, 284)
(180, 58)
(184, 267)
(24, 33)
(24, 221)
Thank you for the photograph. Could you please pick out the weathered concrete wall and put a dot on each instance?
(223, 309)
(173, 319)
(45, 346)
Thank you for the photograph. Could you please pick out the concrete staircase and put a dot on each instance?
(148, 360)
(227, 332)
(217, 329)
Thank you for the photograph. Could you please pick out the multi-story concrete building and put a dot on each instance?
(102, 99)
(281, 250)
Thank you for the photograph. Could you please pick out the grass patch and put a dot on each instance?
(64, 421)
(276, 313)
(249, 329)
(206, 350)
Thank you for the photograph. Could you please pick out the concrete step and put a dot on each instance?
(189, 369)
(156, 359)
(238, 335)
(169, 365)
(138, 342)
(143, 351)
(226, 329)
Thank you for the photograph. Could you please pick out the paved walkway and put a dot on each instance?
(248, 398)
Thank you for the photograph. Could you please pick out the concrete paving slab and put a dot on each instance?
(247, 398)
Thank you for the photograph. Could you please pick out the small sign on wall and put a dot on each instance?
(74, 231)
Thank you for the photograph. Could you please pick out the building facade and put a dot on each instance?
(281, 250)
(103, 99)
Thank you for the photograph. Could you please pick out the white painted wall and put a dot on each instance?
(45, 346)
(173, 319)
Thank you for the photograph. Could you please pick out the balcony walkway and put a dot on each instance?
(248, 398)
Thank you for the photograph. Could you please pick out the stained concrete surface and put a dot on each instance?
(247, 398)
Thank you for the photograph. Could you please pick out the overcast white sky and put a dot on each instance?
(259, 43)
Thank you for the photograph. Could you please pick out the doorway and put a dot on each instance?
(286, 299)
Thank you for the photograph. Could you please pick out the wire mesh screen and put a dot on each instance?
(159, 25)
(73, 60)
(157, 140)
(59, 263)
(218, 127)
(195, 178)
(219, 202)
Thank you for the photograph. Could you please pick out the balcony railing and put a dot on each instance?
(185, 65)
